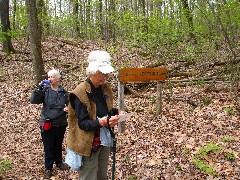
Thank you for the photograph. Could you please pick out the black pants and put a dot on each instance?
(52, 142)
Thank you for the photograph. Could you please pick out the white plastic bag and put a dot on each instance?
(73, 159)
(105, 137)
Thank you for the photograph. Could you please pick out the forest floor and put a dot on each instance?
(200, 141)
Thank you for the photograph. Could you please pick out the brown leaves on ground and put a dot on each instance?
(152, 147)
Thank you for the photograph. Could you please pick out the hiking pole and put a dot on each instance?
(114, 143)
(113, 150)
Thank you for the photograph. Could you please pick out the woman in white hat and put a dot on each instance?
(90, 115)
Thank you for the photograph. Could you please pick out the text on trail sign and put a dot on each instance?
(142, 74)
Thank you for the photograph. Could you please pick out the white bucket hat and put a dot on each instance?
(99, 61)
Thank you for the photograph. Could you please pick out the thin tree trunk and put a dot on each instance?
(111, 21)
(189, 17)
(81, 19)
(76, 18)
(7, 42)
(14, 14)
(145, 15)
(40, 15)
(100, 19)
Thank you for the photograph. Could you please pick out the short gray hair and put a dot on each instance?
(55, 72)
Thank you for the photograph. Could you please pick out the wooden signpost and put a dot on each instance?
(142, 74)
(127, 75)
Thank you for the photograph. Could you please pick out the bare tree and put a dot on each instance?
(35, 40)
(6, 30)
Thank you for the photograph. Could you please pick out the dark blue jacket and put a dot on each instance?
(53, 104)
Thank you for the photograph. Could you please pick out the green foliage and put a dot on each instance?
(207, 101)
(210, 147)
(203, 152)
(126, 64)
(132, 177)
(152, 98)
(128, 159)
(198, 82)
(5, 165)
(9, 33)
(2, 35)
(230, 156)
(230, 111)
(186, 150)
(229, 14)
(204, 167)
(226, 70)
(158, 23)
(20, 20)
(226, 139)
(178, 168)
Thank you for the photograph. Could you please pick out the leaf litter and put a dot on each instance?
(152, 146)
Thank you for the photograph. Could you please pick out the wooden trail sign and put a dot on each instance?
(140, 75)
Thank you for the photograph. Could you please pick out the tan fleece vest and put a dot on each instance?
(78, 140)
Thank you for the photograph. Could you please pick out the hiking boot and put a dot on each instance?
(62, 166)
(48, 174)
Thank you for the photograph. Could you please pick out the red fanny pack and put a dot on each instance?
(96, 141)
(46, 125)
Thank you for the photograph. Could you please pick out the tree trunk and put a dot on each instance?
(100, 19)
(145, 16)
(88, 17)
(189, 17)
(35, 41)
(7, 42)
(40, 15)
(111, 20)
(76, 18)
(14, 14)
(46, 21)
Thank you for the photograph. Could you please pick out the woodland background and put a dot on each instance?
(197, 134)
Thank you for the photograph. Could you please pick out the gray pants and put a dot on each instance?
(95, 167)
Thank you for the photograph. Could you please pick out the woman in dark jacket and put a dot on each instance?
(53, 120)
